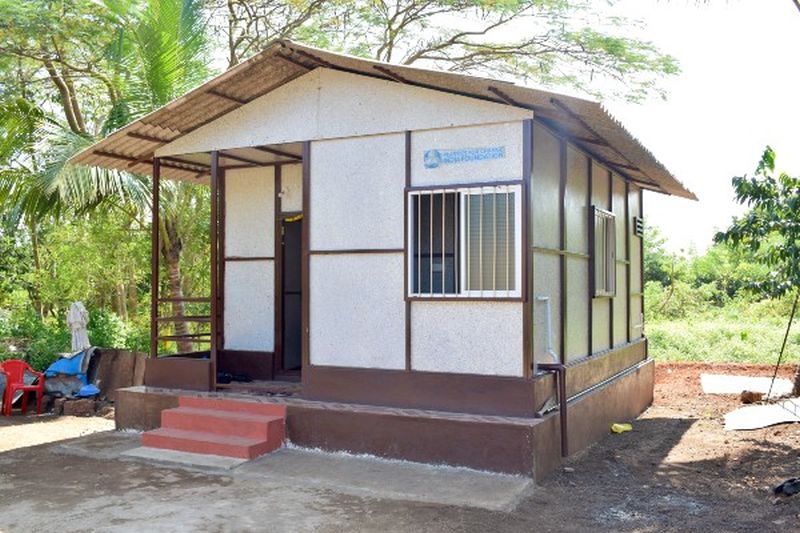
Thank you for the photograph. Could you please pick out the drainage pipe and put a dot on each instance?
(560, 371)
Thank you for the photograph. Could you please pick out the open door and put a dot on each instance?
(291, 294)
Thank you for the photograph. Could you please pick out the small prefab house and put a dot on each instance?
(404, 262)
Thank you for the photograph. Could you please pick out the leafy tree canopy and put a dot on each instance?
(770, 230)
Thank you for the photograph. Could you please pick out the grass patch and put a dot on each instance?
(721, 340)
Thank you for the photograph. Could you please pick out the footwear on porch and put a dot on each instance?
(213, 426)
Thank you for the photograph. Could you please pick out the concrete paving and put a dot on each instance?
(303, 469)
(192, 460)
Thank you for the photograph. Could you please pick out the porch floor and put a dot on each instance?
(283, 389)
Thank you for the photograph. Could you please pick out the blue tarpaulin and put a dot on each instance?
(75, 365)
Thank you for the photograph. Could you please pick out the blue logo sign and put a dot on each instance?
(435, 158)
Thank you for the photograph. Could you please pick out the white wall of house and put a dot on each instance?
(357, 193)
(356, 228)
(577, 243)
(637, 319)
(545, 240)
(467, 337)
(328, 104)
(620, 299)
(506, 135)
(601, 310)
(249, 234)
(470, 337)
(607, 193)
(291, 188)
(357, 311)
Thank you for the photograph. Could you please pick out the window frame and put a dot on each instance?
(609, 290)
(463, 192)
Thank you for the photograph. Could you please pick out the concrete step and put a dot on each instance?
(239, 406)
(208, 443)
(241, 424)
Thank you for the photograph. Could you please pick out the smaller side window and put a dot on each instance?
(602, 233)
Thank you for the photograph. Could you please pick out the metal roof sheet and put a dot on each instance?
(587, 123)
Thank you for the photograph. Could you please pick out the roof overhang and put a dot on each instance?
(586, 123)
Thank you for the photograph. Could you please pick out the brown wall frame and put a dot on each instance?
(214, 238)
(221, 230)
(305, 263)
(527, 262)
(628, 261)
(611, 299)
(465, 393)
(154, 256)
(562, 237)
(405, 251)
(641, 255)
(277, 362)
(590, 244)
(357, 251)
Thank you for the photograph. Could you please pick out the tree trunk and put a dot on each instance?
(122, 302)
(133, 296)
(171, 251)
(37, 266)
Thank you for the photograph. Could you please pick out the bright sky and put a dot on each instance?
(738, 91)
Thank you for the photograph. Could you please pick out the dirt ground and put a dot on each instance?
(676, 471)
(21, 432)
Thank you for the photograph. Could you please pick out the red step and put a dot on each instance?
(207, 443)
(222, 422)
(240, 406)
(215, 426)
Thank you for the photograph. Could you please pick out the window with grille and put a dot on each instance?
(604, 261)
(465, 242)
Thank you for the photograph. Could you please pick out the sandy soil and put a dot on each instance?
(20, 432)
(676, 471)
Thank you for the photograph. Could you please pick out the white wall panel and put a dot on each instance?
(621, 298)
(329, 104)
(292, 188)
(250, 212)
(357, 311)
(600, 186)
(546, 282)
(577, 201)
(494, 140)
(357, 193)
(618, 200)
(467, 337)
(249, 305)
(620, 311)
(635, 242)
(545, 187)
(600, 326)
(577, 308)
(637, 323)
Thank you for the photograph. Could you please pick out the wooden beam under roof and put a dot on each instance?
(275, 151)
(225, 96)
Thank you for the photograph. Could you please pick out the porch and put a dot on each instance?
(272, 360)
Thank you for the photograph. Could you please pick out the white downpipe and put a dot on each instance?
(549, 327)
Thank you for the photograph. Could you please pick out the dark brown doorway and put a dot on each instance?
(291, 293)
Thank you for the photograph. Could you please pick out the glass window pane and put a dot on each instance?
(491, 239)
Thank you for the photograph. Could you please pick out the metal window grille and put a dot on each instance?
(604, 249)
(465, 242)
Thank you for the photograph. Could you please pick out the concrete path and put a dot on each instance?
(360, 476)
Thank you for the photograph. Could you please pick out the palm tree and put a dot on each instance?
(156, 52)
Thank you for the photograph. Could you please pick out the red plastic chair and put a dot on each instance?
(14, 370)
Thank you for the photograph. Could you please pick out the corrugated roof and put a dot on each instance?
(587, 123)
